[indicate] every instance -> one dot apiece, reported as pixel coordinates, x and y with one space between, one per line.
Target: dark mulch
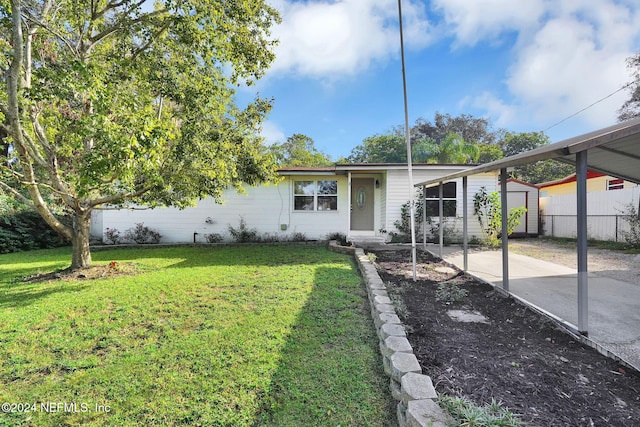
518 357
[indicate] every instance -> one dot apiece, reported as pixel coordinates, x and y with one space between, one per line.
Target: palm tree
452 150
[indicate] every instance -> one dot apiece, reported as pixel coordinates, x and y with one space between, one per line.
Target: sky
525 65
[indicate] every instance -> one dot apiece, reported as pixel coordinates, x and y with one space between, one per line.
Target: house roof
614 150
517 181
570 178
369 167
306 170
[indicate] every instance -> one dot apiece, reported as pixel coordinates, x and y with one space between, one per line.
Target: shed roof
614 150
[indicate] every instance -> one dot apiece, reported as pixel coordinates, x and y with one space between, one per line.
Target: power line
589 106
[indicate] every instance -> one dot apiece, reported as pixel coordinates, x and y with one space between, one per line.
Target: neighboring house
362 201
520 193
596 181
607 198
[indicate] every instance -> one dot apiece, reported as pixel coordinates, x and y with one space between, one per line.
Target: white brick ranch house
361 201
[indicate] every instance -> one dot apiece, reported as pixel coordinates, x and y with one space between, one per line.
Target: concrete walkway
614 306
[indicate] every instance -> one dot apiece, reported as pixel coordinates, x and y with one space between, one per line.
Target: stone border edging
416 396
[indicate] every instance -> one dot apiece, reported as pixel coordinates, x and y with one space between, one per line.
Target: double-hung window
449 192
315 195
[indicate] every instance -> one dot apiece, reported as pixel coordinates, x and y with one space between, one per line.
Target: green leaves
128 102
451 150
299 150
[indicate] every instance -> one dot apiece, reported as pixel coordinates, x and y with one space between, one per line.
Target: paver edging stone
417 406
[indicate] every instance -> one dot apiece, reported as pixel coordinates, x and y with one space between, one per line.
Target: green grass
596 244
226 336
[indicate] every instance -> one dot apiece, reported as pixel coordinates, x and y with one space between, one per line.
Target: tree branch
118 197
120 25
152 39
16 194
14 89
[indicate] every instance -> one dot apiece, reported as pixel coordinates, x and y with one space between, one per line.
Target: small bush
466 413
112 236
142 234
631 217
243 234
449 292
340 238
213 238
298 237
271 238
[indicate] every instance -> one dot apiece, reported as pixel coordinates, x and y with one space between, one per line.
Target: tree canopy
389 148
631 107
453 149
538 172
108 102
426 137
471 129
299 150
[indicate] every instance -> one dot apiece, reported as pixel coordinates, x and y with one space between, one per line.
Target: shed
520 193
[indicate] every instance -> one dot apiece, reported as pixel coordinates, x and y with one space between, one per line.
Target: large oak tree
130 101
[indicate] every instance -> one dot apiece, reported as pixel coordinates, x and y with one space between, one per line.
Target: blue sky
524 64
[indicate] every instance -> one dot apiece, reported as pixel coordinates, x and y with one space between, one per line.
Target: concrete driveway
614 306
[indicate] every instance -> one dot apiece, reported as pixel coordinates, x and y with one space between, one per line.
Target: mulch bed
517 357
99 271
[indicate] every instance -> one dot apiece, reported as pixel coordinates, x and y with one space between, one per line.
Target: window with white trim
315 195
449 200
615 184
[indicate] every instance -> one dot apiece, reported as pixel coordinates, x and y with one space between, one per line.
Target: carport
614 151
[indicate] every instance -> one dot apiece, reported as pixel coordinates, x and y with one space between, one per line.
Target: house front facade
361 201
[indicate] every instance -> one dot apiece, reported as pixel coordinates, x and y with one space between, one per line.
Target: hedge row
26 230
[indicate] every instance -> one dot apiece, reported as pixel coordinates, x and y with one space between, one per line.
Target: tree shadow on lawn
233 255
23 294
330 371
15 292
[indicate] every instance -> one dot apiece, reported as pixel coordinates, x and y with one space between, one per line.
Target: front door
362 204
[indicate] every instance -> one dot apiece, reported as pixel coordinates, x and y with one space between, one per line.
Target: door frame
376 203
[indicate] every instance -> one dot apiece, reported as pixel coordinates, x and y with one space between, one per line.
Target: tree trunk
80 240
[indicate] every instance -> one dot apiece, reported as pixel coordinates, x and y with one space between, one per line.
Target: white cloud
473 21
272 133
568 55
328 39
501 113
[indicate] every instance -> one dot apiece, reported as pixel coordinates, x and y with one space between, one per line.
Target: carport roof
614 150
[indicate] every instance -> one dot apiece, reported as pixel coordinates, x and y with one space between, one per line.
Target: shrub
466 413
112 236
298 237
340 238
449 292
449 234
488 209
213 237
270 238
26 230
403 225
632 217
243 234
142 234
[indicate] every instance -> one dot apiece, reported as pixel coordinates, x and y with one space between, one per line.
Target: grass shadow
21 295
330 372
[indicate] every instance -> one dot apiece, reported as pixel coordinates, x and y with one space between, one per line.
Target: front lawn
224 336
